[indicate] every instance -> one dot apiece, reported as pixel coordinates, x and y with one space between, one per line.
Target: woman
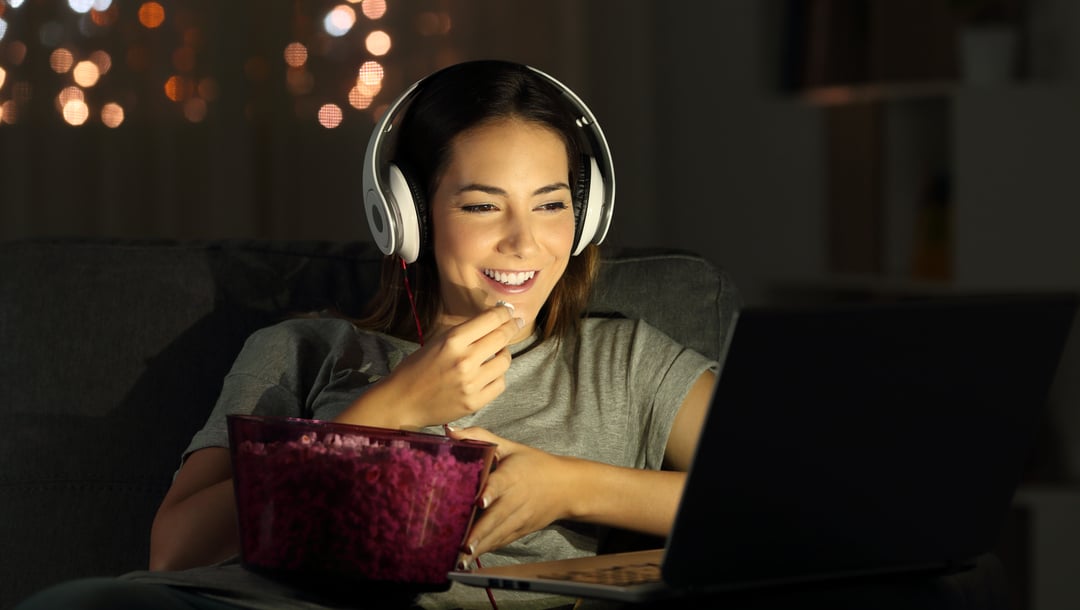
585 412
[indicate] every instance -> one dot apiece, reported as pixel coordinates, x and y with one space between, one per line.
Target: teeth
516 278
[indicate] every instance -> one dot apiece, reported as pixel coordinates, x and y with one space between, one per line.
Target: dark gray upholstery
113 352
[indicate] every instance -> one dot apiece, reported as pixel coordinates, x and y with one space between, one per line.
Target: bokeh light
16 52
61 60
370 73
8 112
373 9
68 95
112 114
151 15
295 54
102 60
178 88
368 89
104 17
72 41
86 73
76 112
339 20
377 43
359 99
81 6
195 110
330 116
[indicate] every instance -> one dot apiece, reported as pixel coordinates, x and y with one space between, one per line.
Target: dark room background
817 149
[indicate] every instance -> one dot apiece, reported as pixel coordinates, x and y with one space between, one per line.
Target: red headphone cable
412 303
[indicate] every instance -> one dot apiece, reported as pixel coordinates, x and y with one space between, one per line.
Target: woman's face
502 221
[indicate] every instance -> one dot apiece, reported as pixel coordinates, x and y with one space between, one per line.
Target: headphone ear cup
580 201
411 211
382 221
587 214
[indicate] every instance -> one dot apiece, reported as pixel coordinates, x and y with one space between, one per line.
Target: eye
552 206
476 208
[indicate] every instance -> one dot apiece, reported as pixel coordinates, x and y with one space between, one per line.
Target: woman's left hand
528 491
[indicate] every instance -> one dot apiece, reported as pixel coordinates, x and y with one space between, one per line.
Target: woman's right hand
457 372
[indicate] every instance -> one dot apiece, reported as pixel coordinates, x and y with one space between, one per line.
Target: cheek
451 241
564 238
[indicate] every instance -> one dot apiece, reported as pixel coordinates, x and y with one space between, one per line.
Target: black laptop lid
859 438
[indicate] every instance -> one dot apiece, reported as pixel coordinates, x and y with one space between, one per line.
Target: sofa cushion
682 294
113 353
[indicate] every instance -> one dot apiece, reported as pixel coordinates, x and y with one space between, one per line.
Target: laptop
844 440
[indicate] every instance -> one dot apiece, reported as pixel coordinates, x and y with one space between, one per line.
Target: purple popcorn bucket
334 505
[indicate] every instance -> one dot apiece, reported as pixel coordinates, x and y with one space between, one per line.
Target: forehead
502 139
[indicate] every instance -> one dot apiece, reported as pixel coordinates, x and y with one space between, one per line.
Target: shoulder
303 330
323 334
621 330
305 350
635 343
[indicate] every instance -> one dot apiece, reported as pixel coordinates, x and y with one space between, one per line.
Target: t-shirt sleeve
290 370
661 373
260 382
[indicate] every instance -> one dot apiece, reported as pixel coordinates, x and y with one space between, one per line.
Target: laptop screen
866 437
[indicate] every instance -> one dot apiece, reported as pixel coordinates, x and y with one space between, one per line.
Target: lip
505 289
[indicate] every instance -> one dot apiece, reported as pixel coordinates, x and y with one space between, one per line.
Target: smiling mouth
510 278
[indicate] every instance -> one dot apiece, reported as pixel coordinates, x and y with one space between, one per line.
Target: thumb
481 434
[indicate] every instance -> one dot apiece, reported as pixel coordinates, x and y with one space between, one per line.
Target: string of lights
105 61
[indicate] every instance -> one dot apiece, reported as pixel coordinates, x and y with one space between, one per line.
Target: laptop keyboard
632 574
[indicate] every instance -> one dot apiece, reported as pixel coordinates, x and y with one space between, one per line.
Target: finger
494 368
503 447
486 521
476 433
470 331
487 347
499 526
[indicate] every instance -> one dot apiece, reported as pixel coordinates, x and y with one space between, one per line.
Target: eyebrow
494 190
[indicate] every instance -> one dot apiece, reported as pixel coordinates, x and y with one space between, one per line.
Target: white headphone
392 202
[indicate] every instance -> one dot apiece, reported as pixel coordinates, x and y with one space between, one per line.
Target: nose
518 237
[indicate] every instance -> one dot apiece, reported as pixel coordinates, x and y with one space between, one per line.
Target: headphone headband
390 200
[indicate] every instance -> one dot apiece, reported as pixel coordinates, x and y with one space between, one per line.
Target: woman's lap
117 594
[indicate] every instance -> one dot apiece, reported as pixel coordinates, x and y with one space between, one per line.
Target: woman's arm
685 430
196 522
532 488
646 500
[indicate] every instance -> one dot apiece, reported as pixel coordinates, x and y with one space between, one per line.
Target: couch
112 353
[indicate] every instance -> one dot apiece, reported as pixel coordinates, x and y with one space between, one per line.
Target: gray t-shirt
608 394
